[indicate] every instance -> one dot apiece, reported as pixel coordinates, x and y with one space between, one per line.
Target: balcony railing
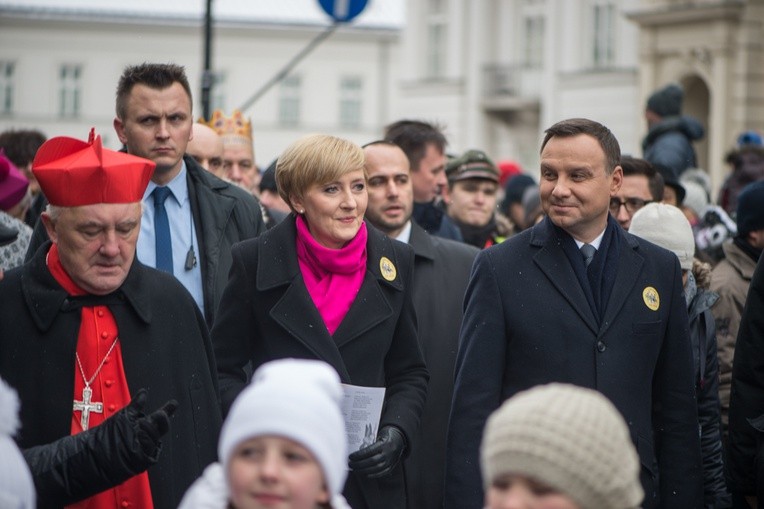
510 86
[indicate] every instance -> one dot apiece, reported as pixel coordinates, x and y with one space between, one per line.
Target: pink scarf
332 276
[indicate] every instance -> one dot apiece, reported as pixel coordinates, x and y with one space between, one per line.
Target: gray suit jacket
441 272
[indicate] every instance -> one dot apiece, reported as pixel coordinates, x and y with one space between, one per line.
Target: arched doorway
697 103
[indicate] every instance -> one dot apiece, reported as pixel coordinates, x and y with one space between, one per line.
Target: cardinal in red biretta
89 337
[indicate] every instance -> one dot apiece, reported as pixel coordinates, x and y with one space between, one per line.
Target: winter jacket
435 221
669 143
730 280
703 338
498 229
210 491
747 166
744 452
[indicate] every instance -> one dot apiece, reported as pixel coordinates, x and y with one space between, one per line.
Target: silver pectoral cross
85 406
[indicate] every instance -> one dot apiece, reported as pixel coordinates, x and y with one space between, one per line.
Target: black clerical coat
165 349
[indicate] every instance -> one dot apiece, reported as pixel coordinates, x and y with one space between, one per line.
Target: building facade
493 73
497 72
60 63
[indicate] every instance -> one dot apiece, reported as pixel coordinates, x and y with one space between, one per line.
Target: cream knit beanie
572 439
668 227
295 399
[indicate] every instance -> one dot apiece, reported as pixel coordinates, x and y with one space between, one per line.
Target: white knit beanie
295 399
569 438
16 485
668 227
695 198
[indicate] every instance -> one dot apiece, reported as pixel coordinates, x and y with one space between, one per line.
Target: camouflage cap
473 164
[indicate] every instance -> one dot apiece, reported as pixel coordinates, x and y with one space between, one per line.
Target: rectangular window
534 41
603 48
70 85
289 102
436 39
350 101
7 69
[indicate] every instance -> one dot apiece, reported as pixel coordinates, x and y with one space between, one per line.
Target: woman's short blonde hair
315 159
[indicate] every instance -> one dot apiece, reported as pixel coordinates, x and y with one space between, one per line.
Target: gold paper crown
235 125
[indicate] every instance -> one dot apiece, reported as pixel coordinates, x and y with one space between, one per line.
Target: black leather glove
149 429
76 467
381 457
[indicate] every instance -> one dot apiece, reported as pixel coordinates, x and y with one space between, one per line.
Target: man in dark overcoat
537 311
441 272
746 447
84 327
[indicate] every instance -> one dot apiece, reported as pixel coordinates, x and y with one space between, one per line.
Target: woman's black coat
267 313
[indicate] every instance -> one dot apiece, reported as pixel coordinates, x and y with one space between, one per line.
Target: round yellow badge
387 269
651 298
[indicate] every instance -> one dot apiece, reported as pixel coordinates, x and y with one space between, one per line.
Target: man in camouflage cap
473 184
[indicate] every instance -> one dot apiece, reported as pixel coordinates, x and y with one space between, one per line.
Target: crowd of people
179 328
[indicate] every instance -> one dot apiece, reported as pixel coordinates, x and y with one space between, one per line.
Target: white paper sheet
362 408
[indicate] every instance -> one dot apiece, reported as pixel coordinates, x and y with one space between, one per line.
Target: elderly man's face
207 148
96 243
239 164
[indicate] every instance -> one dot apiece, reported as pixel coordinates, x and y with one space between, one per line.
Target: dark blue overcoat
527 321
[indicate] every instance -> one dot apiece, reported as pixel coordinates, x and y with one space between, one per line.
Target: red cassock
97 342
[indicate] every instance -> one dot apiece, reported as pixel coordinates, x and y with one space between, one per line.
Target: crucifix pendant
85 406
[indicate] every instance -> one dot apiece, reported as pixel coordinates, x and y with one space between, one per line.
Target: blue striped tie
162 230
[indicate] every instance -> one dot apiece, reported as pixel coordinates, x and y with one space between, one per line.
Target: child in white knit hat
559 446
283 444
16 485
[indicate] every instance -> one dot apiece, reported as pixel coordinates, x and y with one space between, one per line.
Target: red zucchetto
72 173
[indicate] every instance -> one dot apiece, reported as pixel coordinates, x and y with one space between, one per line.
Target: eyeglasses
632 204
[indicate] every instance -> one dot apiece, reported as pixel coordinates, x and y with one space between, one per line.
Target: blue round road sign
343 10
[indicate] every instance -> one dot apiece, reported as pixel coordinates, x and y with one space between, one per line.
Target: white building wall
492 32
249 54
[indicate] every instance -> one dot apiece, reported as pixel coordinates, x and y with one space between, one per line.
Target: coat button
125 503
100 312
112 407
109 383
601 347
104 334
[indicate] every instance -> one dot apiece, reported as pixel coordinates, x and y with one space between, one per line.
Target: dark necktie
162 230
587 251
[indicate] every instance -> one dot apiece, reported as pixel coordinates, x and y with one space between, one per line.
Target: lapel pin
387 269
651 298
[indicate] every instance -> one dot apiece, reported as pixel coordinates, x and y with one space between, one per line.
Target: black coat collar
551 259
278 255
45 298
